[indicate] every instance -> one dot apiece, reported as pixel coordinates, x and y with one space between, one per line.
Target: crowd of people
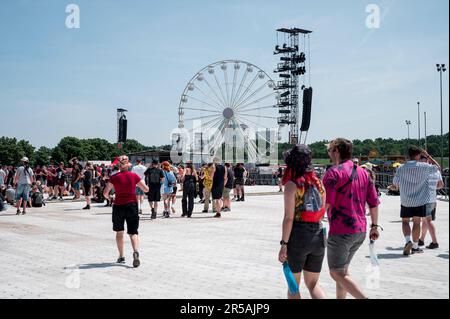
212 183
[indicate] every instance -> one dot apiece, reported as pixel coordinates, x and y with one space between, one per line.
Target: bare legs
120 243
344 285
312 283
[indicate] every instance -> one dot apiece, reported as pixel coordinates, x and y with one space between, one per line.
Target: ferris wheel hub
228 113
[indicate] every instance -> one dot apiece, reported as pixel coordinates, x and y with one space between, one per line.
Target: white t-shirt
434 180
139 170
24 175
2 177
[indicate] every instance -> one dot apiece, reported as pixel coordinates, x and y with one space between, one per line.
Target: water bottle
373 254
292 284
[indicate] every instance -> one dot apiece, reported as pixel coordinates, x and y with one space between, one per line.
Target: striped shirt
434 180
414 179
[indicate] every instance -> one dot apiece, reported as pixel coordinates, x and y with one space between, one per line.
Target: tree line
12 150
380 147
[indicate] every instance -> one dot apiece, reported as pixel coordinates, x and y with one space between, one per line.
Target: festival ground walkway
60 251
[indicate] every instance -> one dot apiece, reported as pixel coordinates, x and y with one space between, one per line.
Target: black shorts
306 248
239 181
154 195
175 190
87 189
128 213
410 212
217 193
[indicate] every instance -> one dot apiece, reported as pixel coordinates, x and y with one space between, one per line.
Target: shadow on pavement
395 249
102 265
443 256
390 256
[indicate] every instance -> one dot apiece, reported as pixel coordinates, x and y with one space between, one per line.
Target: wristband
376 226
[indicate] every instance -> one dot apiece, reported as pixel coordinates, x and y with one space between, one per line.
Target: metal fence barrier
383 180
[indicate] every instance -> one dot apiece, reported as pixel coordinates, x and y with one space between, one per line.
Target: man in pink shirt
348 189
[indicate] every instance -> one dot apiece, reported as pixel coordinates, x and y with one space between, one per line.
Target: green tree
68 148
42 156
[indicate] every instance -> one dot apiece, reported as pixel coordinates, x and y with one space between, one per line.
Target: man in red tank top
125 208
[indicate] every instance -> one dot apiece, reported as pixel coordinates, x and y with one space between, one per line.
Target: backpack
310 204
155 176
38 200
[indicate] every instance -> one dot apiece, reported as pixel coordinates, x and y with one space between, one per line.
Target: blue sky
140 55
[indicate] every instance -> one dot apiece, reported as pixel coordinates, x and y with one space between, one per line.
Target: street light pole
425 124
418 119
408 123
441 69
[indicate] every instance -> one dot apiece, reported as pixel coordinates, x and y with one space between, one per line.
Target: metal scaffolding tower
291 68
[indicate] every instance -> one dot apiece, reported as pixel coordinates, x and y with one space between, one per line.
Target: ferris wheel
230 94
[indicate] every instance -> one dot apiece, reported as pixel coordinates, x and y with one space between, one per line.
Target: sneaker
120 260
18 212
218 215
136 262
204 211
153 215
61 198
421 243
416 251
226 209
433 246
407 249
166 214
24 213
173 210
140 211
87 207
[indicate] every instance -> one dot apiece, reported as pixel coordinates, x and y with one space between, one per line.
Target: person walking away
125 208
189 187
219 181
239 175
414 179
348 189
303 236
139 170
208 183
169 183
227 189
76 177
436 183
61 175
173 196
23 179
201 185
88 177
280 178
155 178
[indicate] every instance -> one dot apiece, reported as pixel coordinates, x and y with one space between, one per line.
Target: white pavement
60 251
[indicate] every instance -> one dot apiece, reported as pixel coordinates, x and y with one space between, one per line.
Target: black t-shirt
87 177
230 180
239 172
153 175
76 173
280 172
219 176
60 174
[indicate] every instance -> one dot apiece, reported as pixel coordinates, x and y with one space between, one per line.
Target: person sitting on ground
10 193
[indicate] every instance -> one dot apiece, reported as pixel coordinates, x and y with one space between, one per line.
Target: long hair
298 161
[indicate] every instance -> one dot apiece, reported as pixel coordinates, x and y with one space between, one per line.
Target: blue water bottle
292 284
